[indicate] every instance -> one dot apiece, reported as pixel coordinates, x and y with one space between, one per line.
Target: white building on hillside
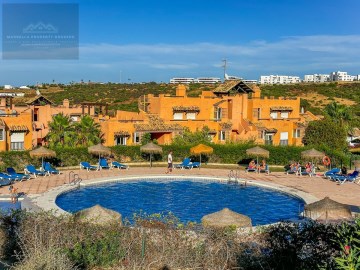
182 80
341 76
207 80
279 79
8 86
317 78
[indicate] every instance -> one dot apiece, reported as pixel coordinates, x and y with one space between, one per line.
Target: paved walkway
348 193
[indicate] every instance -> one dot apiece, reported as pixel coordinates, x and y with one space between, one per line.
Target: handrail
75 180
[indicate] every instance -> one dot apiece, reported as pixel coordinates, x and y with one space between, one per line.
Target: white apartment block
279 79
182 80
317 78
341 76
207 80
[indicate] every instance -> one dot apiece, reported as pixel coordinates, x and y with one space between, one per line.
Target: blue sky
142 40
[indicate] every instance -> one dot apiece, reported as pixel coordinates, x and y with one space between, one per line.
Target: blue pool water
188 200
6 206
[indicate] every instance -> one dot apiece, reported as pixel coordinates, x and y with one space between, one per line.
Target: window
2 137
256 113
74 118
136 138
178 116
284 114
222 135
120 140
273 115
284 136
17 141
218 114
191 116
269 139
296 133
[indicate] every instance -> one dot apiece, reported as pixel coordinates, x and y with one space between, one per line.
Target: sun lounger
347 178
195 164
103 164
49 169
250 169
86 165
266 170
118 165
184 164
11 178
5 182
30 169
21 176
329 174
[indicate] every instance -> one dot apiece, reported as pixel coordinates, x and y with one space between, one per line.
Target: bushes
53 242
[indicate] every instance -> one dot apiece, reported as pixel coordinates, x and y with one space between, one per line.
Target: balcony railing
284 142
268 142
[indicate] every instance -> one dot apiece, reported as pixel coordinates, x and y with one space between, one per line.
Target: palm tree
87 132
60 131
340 114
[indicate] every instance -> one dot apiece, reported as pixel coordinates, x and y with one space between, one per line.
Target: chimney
181 90
66 103
257 91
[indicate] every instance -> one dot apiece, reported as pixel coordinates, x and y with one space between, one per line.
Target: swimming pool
6 206
187 199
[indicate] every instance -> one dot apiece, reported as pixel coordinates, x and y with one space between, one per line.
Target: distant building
207 80
341 76
250 81
8 86
279 79
24 87
182 80
317 78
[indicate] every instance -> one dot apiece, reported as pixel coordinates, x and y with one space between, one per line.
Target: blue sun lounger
49 169
22 176
185 164
30 169
86 165
118 165
103 164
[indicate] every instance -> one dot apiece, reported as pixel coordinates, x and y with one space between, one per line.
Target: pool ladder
76 178
234 177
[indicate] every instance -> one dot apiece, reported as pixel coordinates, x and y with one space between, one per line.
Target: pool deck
347 193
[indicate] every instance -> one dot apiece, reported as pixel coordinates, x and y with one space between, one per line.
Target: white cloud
292 55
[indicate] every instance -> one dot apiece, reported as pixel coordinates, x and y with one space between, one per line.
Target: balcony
268 142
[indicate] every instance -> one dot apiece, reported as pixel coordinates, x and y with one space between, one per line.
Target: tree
60 131
325 133
340 114
192 138
87 132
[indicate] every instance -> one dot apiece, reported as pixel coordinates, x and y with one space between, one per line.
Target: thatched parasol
225 218
327 209
42 152
151 149
312 153
201 149
257 151
98 215
99 149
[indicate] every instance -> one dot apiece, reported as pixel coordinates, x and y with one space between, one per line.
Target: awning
122 133
281 108
186 109
15 128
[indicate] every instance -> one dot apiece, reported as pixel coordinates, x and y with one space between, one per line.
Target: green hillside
125 96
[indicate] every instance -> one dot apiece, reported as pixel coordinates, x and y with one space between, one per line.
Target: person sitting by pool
252 165
262 165
13 193
294 168
308 167
344 170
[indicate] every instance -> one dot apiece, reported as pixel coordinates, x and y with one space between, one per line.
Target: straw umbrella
98 215
258 152
312 154
151 149
327 209
99 149
201 149
225 218
42 152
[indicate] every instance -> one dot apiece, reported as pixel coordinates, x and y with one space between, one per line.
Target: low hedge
226 154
